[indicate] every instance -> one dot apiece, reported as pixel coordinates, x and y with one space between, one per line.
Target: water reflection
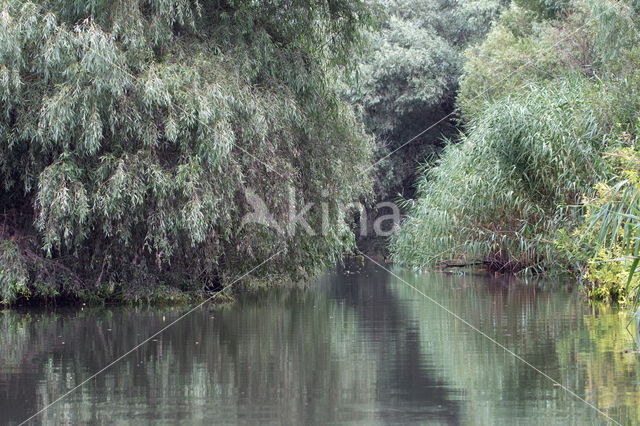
353 348
545 323
409 385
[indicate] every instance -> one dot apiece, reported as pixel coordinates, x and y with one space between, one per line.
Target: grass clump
499 195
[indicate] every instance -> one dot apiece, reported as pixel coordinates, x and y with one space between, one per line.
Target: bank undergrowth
547 101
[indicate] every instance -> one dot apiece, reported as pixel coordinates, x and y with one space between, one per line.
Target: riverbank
545 175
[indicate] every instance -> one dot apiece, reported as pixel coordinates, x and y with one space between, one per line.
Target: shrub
517 52
607 242
589 37
543 98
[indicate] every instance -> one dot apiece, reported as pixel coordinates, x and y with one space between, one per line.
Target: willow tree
131 130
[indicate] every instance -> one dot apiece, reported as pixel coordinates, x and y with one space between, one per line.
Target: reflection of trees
547 328
248 363
408 382
295 356
43 352
612 369
364 348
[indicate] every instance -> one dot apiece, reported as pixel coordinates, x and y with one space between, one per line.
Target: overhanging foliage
129 130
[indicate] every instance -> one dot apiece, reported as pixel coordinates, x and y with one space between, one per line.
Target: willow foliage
130 129
527 46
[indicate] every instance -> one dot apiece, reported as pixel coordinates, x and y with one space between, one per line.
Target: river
359 347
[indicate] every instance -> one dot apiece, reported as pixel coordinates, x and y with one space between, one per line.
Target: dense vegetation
407 79
129 131
131 134
544 176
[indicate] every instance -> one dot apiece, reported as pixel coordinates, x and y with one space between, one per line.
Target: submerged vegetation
544 175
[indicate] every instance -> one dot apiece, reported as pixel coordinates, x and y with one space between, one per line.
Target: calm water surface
360 348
